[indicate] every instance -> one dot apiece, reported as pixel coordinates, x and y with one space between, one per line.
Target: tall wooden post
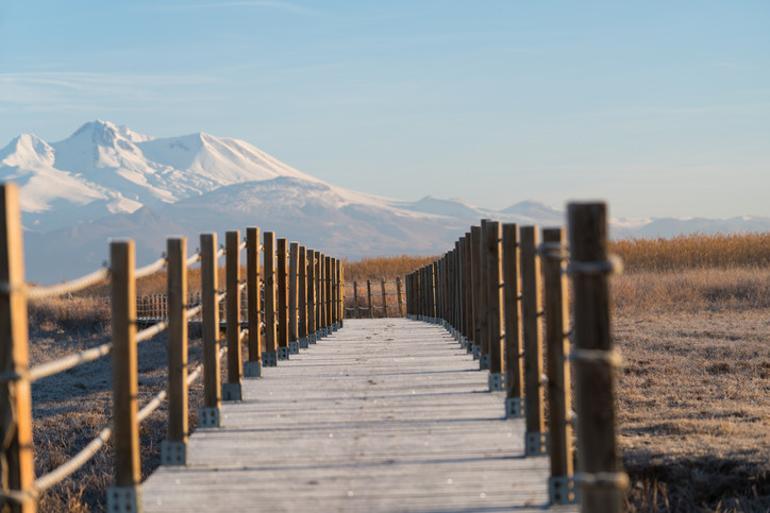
321 296
329 296
302 297
600 474
209 413
468 286
398 295
123 495
531 313
231 390
495 321
311 296
270 354
334 306
560 484
17 457
369 298
253 366
281 278
512 300
293 311
384 298
173 450
341 291
355 300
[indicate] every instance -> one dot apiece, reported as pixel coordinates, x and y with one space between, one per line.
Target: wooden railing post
124 494
398 296
253 366
468 293
600 475
173 450
341 291
312 305
355 300
493 240
480 304
531 314
512 299
321 296
561 488
231 390
369 298
281 278
334 305
384 298
329 297
209 413
293 311
270 354
17 451
302 297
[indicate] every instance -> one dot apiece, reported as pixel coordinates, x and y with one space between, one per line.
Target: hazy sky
663 108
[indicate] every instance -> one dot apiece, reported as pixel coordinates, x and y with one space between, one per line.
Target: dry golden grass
695 251
389 268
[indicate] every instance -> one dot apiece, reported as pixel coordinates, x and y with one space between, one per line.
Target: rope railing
322 292
493 292
98 277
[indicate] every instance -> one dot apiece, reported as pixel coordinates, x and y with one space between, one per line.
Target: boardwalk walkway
386 415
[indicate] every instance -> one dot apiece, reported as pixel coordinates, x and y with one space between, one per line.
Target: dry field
693 398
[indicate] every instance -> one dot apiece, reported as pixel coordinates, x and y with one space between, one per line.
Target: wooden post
18 465
531 313
384 298
512 299
355 299
270 354
231 390
341 289
329 297
333 305
495 321
479 298
173 450
468 285
293 311
302 297
398 295
560 484
123 495
281 278
321 296
369 298
600 474
253 367
312 305
209 413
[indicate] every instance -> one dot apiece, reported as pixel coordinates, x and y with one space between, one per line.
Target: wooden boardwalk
386 415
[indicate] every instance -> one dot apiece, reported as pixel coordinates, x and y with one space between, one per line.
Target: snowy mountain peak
26 150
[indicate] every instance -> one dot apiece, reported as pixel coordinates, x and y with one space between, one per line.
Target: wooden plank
18 472
404 426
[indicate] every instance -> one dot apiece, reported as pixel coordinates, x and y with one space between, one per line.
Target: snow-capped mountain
108 181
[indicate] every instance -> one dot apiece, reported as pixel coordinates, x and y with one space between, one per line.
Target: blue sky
662 108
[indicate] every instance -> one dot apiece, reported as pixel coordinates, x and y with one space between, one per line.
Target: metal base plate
231 392
294 347
269 359
514 408
535 443
252 369
123 499
283 353
312 339
303 343
208 417
561 490
484 362
476 350
173 453
495 382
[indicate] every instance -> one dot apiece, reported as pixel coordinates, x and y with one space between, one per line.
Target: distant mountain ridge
106 180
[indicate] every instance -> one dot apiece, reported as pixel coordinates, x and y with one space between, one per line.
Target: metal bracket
294 347
269 359
514 408
123 499
253 369
173 453
476 350
208 417
495 382
283 353
311 339
484 362
303 343
231 392
562 490
535 443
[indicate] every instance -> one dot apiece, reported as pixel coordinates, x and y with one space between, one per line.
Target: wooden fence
294 301
494 291
366 305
